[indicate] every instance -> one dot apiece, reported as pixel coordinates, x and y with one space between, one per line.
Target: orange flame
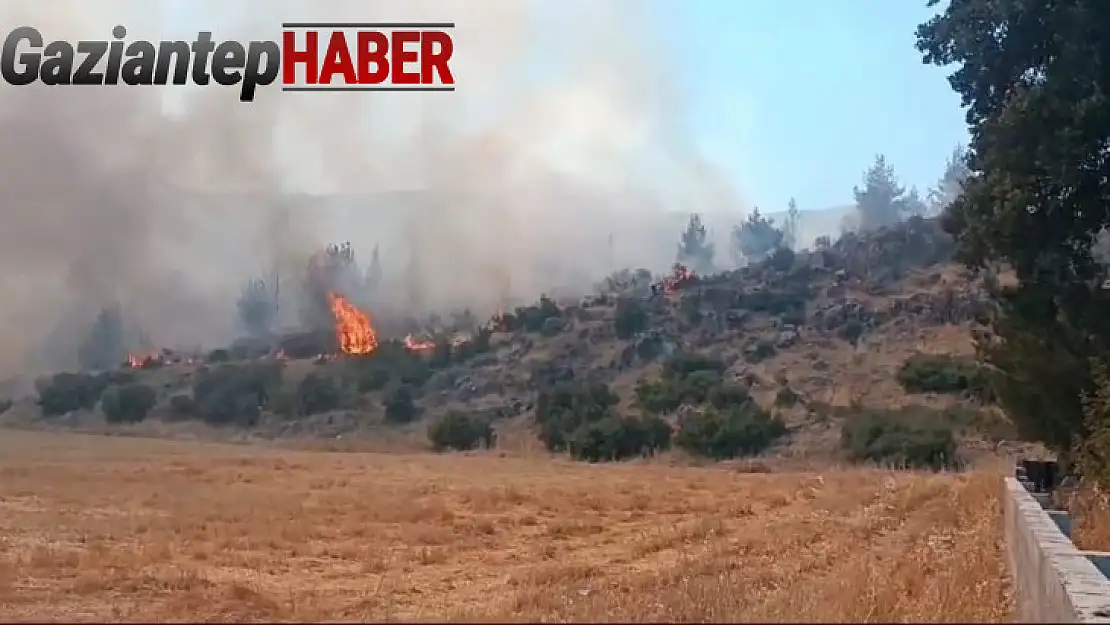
418 345
352 327
136 361
679 274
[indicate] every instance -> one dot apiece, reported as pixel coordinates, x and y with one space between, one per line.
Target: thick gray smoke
563 131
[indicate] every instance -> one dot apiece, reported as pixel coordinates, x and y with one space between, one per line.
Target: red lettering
291 56
337 61
399 56
373 49
433 59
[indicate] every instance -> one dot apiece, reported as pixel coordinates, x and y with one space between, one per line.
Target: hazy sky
795 97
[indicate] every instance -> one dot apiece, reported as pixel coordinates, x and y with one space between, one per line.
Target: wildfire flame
353 331
499 321
418 345
137 361
679 274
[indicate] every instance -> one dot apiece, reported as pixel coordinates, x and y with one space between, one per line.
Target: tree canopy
1034 79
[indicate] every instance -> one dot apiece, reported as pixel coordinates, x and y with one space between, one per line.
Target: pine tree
695 250
881 201
790 227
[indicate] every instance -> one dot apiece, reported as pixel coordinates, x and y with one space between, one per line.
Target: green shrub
691 380
684 364
127 404
235 394
630 318
460 431
567 406
182 406
615 438
218 356
759 351
5 405
391 362
786 397
400 406
532 318
318 392
722 434
782 259
65 392
910 438
928 373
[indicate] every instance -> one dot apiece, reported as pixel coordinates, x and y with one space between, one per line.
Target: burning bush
129 403
460 431
235 394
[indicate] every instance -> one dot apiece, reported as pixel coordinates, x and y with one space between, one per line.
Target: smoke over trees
104 347
757 238
258 306
695 249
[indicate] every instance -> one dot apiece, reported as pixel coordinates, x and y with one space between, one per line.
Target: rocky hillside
817 343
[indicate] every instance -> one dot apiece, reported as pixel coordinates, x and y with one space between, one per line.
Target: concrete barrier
1054 582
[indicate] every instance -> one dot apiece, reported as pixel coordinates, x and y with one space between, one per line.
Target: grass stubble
101 528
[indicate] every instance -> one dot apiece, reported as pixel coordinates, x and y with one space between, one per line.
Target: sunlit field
97 528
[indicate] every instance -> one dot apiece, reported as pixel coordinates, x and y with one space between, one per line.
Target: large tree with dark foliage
1034 77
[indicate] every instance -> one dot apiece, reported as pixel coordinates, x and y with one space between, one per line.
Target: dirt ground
102 528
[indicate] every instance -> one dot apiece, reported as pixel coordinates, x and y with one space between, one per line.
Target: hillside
872 327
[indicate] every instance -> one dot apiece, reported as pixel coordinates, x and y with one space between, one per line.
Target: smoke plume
165 200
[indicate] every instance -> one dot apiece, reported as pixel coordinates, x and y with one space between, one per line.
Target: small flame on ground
136 361
417 345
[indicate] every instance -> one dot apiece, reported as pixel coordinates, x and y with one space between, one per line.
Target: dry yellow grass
96 528
1090 507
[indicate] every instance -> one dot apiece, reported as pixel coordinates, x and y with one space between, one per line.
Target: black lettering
115 57
31 61
202 47
86 73
166 49
57 63
227 60
263 65
139 69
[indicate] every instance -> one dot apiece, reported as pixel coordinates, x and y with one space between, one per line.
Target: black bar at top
368 25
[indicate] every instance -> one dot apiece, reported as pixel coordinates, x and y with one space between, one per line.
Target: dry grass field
101 528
